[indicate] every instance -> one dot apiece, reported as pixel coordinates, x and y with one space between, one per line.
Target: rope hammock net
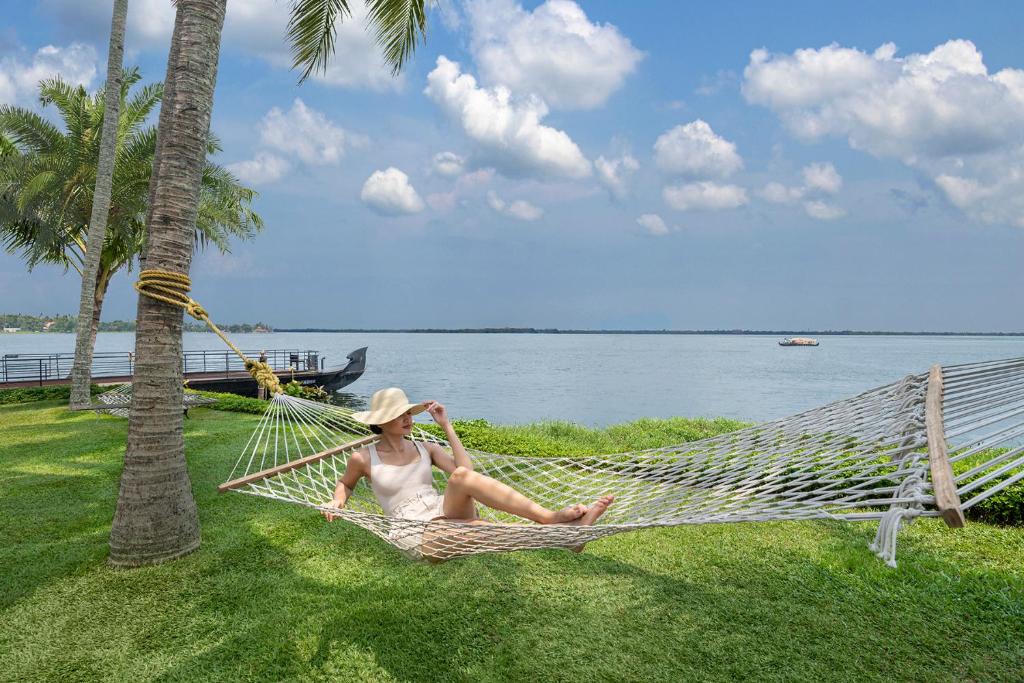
929 445
118 401
881 455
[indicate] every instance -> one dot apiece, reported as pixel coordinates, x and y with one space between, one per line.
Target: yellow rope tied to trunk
173 288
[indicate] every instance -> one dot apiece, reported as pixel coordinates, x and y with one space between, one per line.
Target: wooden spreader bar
295 464
947 500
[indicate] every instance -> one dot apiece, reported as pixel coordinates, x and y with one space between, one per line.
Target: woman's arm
355 469
446 462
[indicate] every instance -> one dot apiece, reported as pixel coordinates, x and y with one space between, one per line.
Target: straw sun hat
386 405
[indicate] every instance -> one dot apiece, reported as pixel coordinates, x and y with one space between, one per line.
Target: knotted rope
173 288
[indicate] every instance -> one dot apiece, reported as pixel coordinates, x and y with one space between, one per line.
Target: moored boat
221 371
798 341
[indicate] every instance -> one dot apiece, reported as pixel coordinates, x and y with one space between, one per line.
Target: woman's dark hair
376 430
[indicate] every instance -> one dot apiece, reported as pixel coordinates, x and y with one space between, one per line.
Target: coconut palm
84 337
156 518
47 178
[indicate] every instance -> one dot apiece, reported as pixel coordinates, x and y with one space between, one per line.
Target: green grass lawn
276 593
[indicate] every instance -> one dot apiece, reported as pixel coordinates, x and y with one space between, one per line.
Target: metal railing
40 367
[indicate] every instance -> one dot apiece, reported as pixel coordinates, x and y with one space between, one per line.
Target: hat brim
379 417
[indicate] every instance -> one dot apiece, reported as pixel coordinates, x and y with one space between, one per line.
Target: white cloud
777 193
253 27
554 51
19 81
508 133
696 151
822 178
1001 201
615 174
264 168
389 193
306 134
464 184
942 113
704 195
938 104
258 28
823 211
449 14
653 224
448 164
520 208
819 179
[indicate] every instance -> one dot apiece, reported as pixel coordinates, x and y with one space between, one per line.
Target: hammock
118 401
882 455
888 454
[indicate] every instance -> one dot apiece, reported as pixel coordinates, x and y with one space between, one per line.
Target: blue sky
598 165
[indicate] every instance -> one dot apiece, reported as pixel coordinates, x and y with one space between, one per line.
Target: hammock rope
173 288
913 448
118 401
881 455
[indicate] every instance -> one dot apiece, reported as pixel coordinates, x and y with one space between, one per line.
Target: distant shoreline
530 330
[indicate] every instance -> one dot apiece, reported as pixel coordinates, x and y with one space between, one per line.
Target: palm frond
27 130
135 111
397 24
7 147
311 33
225 209
71 101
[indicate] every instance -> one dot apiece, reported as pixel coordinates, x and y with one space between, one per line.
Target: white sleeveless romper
406 491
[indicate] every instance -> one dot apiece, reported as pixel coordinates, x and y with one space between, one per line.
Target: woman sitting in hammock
400 474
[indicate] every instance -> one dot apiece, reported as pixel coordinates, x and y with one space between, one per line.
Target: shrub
233 403
311 392
1005 507
28 394
569 439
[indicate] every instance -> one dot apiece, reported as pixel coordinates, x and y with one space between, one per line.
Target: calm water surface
603 379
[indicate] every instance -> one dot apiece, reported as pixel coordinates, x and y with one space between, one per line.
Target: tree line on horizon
67 323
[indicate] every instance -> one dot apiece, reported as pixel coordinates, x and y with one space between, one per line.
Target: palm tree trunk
163 124
156 518
84 339
102 281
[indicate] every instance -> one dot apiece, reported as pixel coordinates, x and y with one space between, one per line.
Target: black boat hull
331 379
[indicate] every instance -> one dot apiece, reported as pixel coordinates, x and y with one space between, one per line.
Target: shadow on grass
276 593
547 616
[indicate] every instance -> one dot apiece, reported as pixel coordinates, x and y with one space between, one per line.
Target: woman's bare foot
595 510
569 515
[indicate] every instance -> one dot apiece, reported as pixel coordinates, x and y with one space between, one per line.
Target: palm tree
156 518
84 337
47 177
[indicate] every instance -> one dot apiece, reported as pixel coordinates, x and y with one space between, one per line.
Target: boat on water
204 370
304 368
798 341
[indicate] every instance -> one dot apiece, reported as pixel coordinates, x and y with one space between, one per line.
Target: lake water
603 379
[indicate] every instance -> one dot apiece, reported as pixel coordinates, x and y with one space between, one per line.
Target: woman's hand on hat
438 412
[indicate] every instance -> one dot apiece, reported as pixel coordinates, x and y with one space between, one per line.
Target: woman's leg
441 542
466 486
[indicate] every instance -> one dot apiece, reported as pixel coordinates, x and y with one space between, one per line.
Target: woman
401 476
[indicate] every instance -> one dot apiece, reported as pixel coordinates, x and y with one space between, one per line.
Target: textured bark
163 124
156 518
80 371
102 281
